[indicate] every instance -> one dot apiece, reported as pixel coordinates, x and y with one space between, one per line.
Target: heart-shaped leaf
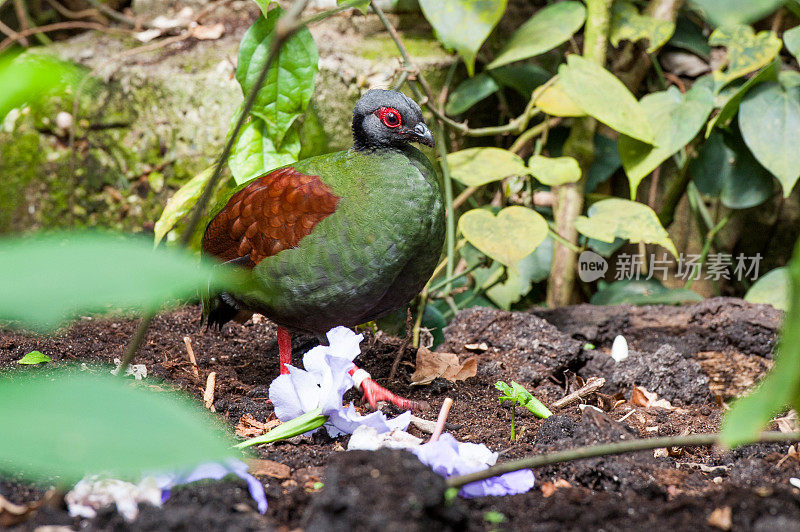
477 166
676 119
545 30
508 237
254 153
769 119
49 278
469 92
463 25
772 289
69 424
627 24
731 12
289 85
554 171
555 102
791 38
592 88
747 51
619 218
729 171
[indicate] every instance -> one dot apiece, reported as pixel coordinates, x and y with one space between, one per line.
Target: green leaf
30 78
734 93
527 400
82 423
477 166
728 170
34 357
361 5
294 427
628 24
463 25
555 102
522 77
772 289
781 387
47 279
263 5
730 12
181 203
791 39
289 85
619 218
469 92
606 162
592 87
532 269
554 171
545 30
676 119
769 119
254 153
507 238
642 292
689 36
747 51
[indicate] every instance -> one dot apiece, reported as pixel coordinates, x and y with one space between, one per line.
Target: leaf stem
607 449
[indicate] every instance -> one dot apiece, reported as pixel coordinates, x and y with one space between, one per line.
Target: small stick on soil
440 421
591 386
208 395
192 359
626 416
404 345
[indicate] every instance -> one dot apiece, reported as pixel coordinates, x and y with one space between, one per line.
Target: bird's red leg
374 392
284 348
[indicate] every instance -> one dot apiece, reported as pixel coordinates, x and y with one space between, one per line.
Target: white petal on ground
619 349
92 493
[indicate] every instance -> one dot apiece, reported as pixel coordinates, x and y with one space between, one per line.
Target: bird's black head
388 119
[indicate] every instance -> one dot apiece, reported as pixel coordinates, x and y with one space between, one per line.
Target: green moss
20 159
381 46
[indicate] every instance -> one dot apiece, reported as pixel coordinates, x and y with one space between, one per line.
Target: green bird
338 239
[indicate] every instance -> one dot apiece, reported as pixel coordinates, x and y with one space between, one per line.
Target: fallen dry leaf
721 518
641 397
788 423
268 468
432 365
250 427
549 488
208 33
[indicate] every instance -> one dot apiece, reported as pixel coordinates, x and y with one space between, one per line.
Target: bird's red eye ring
389 116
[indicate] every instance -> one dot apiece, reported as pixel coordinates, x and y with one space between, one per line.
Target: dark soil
694 356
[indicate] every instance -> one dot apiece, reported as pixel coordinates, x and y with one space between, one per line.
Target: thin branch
68 25
66 12
607 449
591 386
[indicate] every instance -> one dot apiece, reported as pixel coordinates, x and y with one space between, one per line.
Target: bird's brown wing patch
271 214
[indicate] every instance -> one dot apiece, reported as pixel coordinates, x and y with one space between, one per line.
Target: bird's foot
374 392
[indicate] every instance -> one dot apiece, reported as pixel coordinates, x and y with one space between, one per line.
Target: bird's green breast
371 256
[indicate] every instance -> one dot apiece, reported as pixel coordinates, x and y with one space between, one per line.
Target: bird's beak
423 135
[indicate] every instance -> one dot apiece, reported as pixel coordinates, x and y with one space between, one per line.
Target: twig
286 26
192 359
607 449
517 125
442 419
591 386
22 18
403 346
115 15
68 25
208 394
66 12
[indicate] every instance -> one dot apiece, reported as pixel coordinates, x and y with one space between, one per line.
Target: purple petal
345 421
507 484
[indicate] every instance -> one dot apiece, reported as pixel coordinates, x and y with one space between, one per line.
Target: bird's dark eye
389 116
